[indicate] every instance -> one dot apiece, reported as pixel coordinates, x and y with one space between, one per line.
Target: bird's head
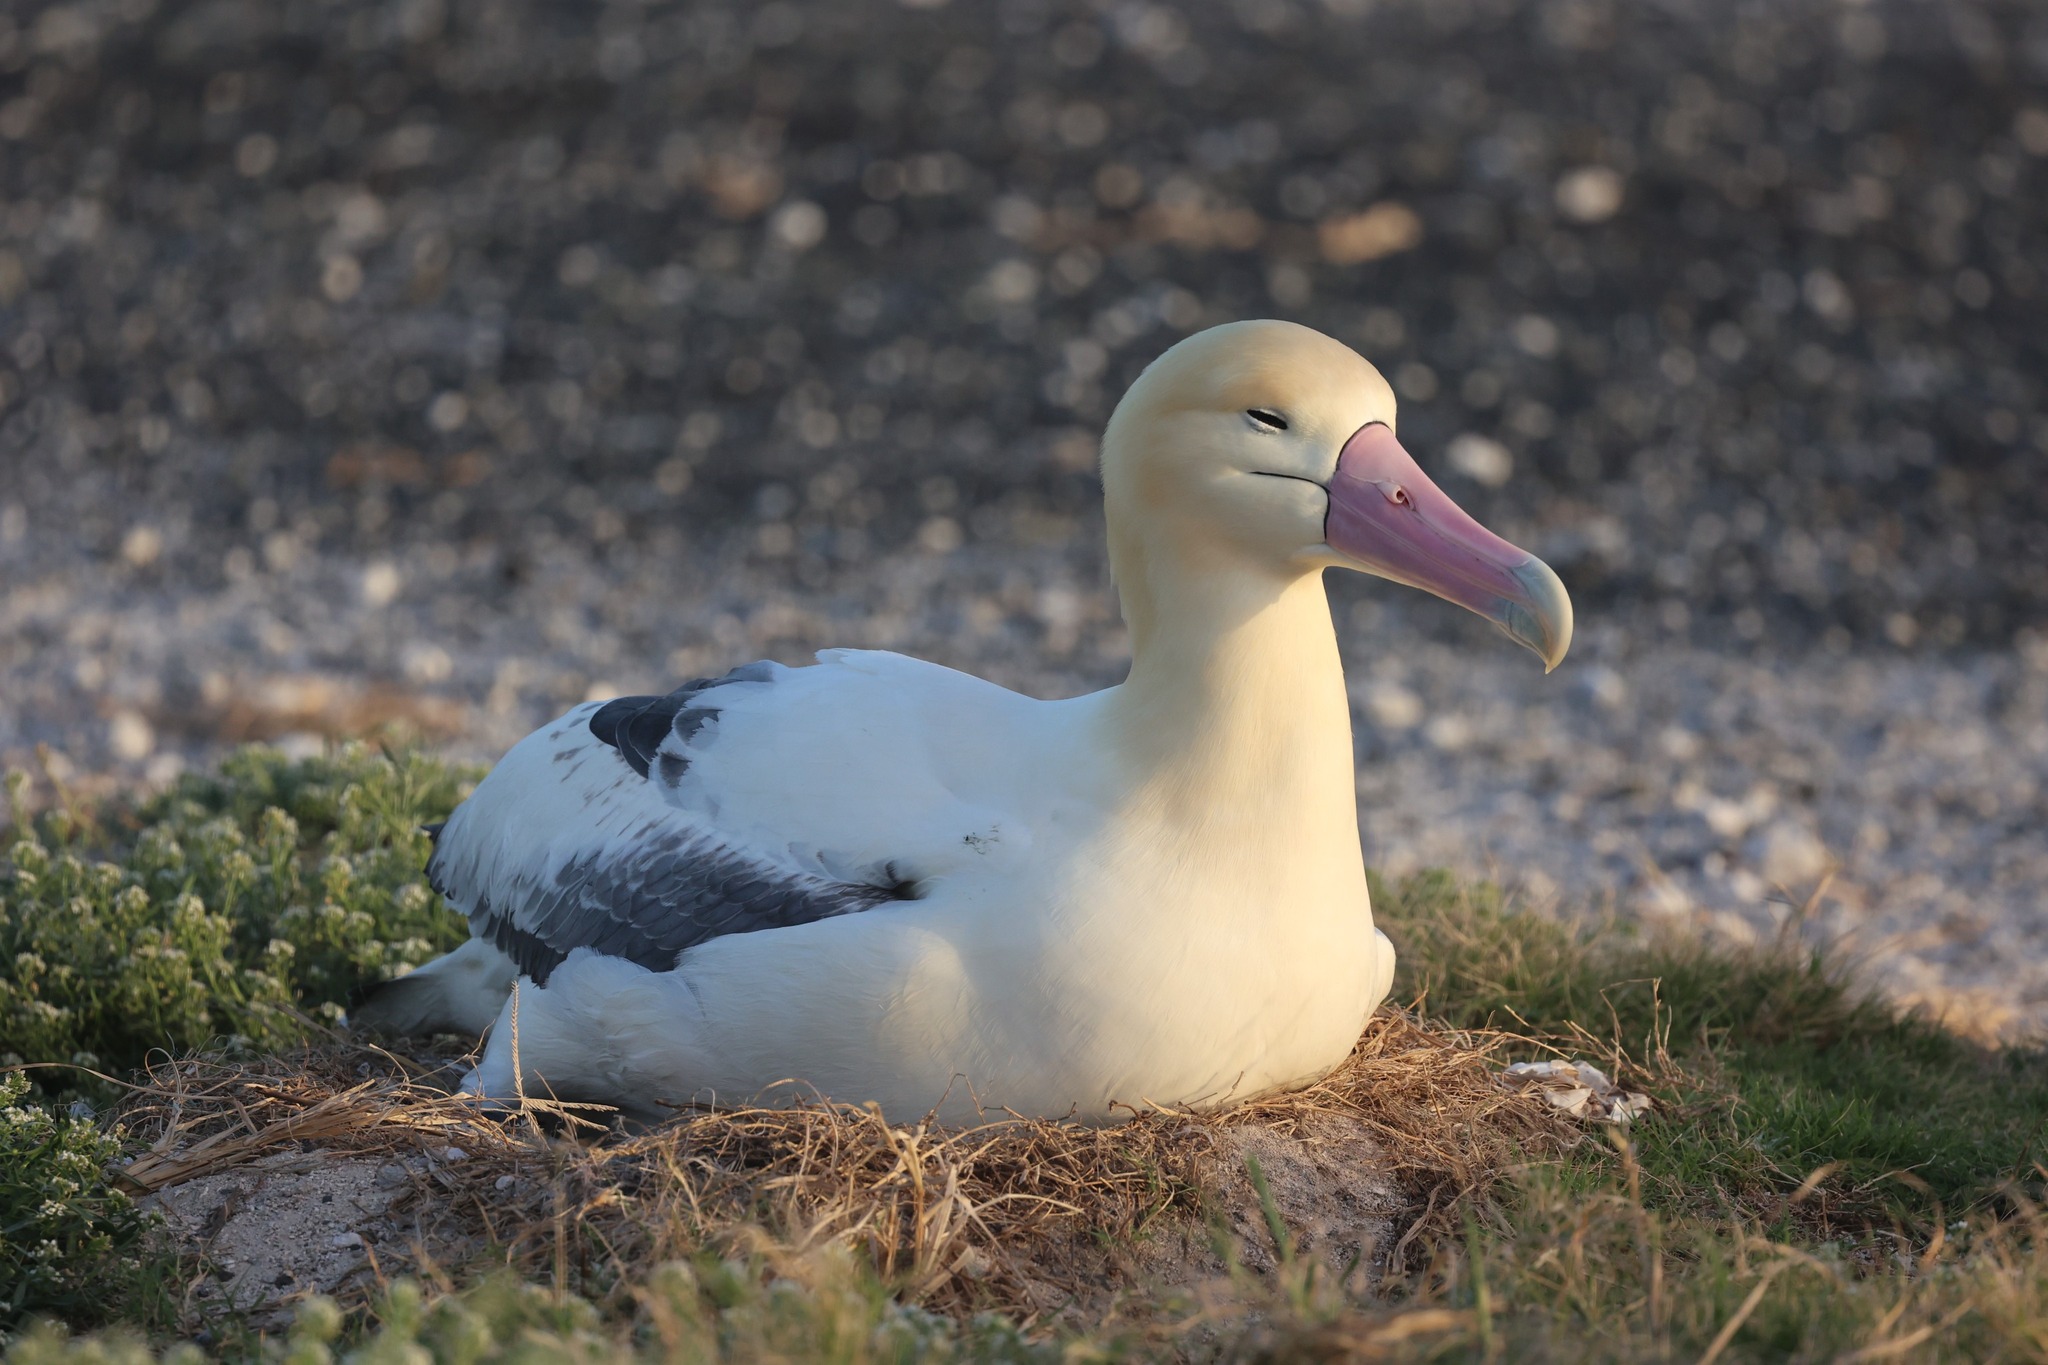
1271 443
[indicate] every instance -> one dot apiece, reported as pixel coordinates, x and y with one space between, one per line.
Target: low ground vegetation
1822 1178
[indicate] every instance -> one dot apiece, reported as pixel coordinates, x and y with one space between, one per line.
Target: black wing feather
667 889
637 727
657 902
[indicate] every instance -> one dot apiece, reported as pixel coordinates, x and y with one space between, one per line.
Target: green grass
1822 1177
1771 1062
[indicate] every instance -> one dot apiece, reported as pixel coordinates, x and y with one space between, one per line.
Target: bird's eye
1271 420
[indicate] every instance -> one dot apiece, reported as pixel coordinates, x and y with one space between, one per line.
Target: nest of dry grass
960 1219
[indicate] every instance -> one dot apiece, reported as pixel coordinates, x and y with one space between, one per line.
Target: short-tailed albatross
882 880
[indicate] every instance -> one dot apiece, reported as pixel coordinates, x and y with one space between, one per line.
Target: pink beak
1390 520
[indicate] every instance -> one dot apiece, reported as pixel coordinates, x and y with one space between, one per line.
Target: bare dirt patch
276 1229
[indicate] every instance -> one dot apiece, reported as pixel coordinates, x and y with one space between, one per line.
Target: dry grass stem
991 1216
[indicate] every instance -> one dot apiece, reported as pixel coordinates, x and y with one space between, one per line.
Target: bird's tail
459 992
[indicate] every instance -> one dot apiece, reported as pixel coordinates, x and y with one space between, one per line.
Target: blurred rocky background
434 364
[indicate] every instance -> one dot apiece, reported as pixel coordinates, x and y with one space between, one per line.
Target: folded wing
583 838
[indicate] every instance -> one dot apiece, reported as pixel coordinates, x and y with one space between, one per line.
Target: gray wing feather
654 894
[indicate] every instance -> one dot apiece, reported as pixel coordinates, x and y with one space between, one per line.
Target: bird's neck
1234 712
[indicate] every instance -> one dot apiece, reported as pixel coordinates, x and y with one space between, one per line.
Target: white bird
883 880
